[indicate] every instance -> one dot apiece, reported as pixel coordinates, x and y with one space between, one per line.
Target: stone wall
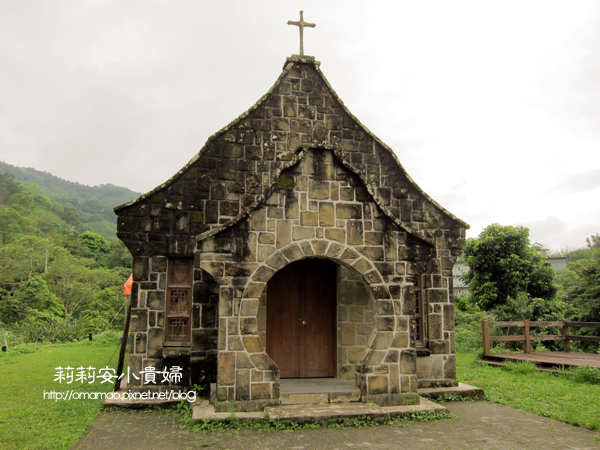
296 176
147 328
355 314
317 211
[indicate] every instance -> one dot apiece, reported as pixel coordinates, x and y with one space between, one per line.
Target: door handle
304 323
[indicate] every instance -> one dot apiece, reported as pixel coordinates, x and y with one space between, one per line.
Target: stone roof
300 111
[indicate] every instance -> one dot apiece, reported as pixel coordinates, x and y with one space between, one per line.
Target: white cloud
492 107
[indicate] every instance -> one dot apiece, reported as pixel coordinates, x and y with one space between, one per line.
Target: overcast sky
493 107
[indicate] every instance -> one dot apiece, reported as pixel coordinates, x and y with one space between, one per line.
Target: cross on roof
301 24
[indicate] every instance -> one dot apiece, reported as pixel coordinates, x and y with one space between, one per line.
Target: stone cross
301 24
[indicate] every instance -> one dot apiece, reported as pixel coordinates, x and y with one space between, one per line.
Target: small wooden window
419 322
179 300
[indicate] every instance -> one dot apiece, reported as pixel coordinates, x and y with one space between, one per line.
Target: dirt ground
478 425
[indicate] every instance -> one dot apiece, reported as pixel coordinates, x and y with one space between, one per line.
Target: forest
62 268
510 279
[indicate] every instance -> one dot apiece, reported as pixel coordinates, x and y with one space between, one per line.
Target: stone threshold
336 412
462 391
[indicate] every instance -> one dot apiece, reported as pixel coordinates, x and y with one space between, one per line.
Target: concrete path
478 425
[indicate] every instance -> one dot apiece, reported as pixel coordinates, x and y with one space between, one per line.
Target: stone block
307 249
156 300
338 235
159 264
450 367
373 238
409 303
318 190
204 340
277 261
448 317
243 361
335 250
437 295
252 344
348 211
248 325
357 313
430 367
320 247
289 107
140 268
264 273
140 342
249 307
266 238
254 290
260 391
378 384
300 233
234 343
383 339
435 327
408 362
439 347
400 340
155 342
309 218
386 323
263 362
138 320
348 333
392 358
355 232
326 214
362 266
293 253
258 220
242 385
373 277
226 369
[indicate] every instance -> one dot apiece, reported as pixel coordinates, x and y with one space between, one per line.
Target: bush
586 374
468 319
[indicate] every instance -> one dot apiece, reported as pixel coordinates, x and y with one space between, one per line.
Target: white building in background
558 263
460 267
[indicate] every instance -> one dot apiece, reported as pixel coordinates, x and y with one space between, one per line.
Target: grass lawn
557 397
27 420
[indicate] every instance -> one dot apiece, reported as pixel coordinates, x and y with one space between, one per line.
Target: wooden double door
301 319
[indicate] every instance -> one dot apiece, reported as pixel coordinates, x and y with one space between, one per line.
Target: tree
505 268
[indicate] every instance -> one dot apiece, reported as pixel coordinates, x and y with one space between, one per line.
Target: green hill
94 203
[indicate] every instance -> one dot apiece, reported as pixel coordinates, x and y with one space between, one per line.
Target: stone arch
316 248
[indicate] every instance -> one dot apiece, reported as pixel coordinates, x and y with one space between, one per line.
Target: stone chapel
293 245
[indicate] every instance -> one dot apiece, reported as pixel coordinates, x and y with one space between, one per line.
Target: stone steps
464 391
322 398
323 412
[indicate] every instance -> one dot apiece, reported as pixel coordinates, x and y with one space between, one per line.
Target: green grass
27 420
522 387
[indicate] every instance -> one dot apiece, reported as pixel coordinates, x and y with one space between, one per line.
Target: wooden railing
565 336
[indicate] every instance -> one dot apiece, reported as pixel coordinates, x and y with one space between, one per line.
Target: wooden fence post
566 342
527 346
485 332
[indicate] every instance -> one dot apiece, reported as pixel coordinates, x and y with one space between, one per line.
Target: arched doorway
301 319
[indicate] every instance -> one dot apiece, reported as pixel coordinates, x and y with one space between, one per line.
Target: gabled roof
294 155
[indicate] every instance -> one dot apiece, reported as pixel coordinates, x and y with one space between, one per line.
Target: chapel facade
293 245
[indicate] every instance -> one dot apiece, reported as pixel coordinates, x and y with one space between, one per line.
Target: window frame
177 285
420 323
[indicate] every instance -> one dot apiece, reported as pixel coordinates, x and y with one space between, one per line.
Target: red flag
127 285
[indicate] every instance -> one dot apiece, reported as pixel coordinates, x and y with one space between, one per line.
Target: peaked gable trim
291 62
340 156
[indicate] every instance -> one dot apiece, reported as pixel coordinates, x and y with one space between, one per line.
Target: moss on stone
196 217
286 182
